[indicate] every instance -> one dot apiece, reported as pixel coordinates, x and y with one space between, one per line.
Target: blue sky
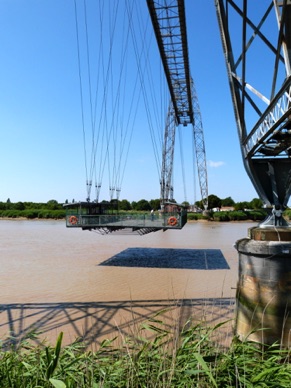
41 133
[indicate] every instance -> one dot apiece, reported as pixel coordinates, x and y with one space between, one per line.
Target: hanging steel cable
111 88
110 133
143 66
81 93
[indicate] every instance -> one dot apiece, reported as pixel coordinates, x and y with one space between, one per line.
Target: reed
157 357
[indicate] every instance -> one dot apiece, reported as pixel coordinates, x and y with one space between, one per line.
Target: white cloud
215 164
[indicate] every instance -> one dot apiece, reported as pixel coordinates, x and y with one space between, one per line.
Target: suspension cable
111 134
144 54
81 95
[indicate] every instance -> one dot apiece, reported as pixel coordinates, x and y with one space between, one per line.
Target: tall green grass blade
58 350
57 383
171 358
221 324
205 368
261 376
52 362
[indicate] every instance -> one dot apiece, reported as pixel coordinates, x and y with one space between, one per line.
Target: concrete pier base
263 312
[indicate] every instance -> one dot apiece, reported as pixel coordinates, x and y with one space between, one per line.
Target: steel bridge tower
256 38
169 23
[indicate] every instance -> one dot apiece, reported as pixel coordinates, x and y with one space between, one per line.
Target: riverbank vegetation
232 215
191 358
31 210
221 209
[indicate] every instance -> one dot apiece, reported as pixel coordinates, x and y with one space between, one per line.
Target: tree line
50 209
232 210
215 202
141 205
54 209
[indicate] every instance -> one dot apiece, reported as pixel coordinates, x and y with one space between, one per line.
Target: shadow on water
206 259
93 322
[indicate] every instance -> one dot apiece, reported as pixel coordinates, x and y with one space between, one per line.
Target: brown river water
52 281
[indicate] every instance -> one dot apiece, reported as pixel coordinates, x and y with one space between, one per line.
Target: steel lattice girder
256 38
168 18
168 157
199 143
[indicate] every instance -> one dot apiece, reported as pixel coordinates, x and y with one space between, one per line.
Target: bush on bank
254 215
223 216
287 213
30 210
191 359
33 213
196 217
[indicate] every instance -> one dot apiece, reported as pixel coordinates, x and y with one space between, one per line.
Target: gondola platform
80 216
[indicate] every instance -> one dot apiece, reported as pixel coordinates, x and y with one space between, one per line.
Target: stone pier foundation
263 312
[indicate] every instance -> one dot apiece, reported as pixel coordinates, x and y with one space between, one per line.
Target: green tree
241 206
256 203
53 204
19 206
143 205
29 205
155 204
124 204
228 201
199 204
213 201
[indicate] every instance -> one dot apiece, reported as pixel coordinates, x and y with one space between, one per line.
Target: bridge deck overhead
170 29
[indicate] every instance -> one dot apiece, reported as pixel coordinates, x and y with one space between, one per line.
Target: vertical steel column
250 36
169 23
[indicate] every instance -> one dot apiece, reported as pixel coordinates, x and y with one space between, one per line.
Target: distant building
194 209
227 208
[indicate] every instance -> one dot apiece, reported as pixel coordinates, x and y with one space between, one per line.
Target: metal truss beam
256 39
169 22
168 18
168 157
199 145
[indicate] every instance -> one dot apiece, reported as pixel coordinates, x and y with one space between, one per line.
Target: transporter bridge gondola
105 218
169 25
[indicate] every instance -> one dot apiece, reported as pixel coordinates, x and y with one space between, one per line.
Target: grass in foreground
190 359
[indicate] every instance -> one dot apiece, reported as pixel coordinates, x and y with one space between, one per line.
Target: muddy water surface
51 280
